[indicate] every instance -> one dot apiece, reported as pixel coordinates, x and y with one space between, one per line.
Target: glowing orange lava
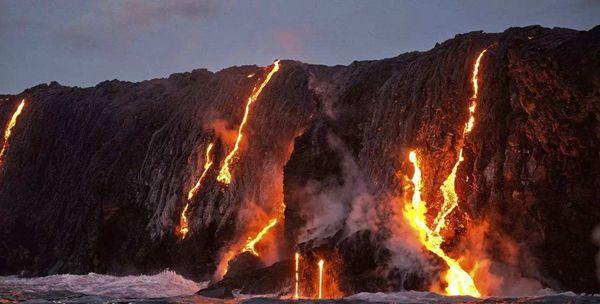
296 278
249 247
321 263
8 131
458 280
208 163
183 229
448 187
225 172
223 265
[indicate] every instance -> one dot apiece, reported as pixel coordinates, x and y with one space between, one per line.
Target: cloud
114 23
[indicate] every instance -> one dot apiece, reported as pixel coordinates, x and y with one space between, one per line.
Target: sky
81 43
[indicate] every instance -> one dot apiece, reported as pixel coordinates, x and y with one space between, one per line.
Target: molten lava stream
8 130
225 173
448 187
208 163
458 280
183 229
249 247
223 265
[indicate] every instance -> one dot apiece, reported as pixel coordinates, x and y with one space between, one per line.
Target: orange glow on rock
223 265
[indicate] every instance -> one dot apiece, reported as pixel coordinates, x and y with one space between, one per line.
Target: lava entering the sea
225 173
183 229
8 130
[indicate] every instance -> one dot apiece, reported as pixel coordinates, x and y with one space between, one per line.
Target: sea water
169 287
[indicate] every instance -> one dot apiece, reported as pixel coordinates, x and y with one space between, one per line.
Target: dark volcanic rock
95 178
252 280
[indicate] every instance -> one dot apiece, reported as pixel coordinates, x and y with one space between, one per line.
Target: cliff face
95 179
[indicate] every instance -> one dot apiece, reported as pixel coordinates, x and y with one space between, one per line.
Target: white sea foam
543 296
165 284
409 297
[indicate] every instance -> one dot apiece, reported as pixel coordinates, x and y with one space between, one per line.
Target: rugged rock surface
95 178
247 275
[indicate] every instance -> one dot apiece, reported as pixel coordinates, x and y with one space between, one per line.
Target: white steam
333 202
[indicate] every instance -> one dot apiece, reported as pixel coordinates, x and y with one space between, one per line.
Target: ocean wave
165 284
543 296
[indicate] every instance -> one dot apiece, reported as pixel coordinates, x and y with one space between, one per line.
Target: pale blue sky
84 42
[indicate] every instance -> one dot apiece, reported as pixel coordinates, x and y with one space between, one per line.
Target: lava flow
297 258
208 163
225 172
8 131
458 280
448 187
321 262
183 229
249 247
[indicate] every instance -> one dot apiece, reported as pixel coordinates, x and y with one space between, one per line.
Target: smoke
323 210
221 128
498 278
407 252
337 202
225 255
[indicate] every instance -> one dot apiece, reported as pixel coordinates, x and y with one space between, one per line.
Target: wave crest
165 284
